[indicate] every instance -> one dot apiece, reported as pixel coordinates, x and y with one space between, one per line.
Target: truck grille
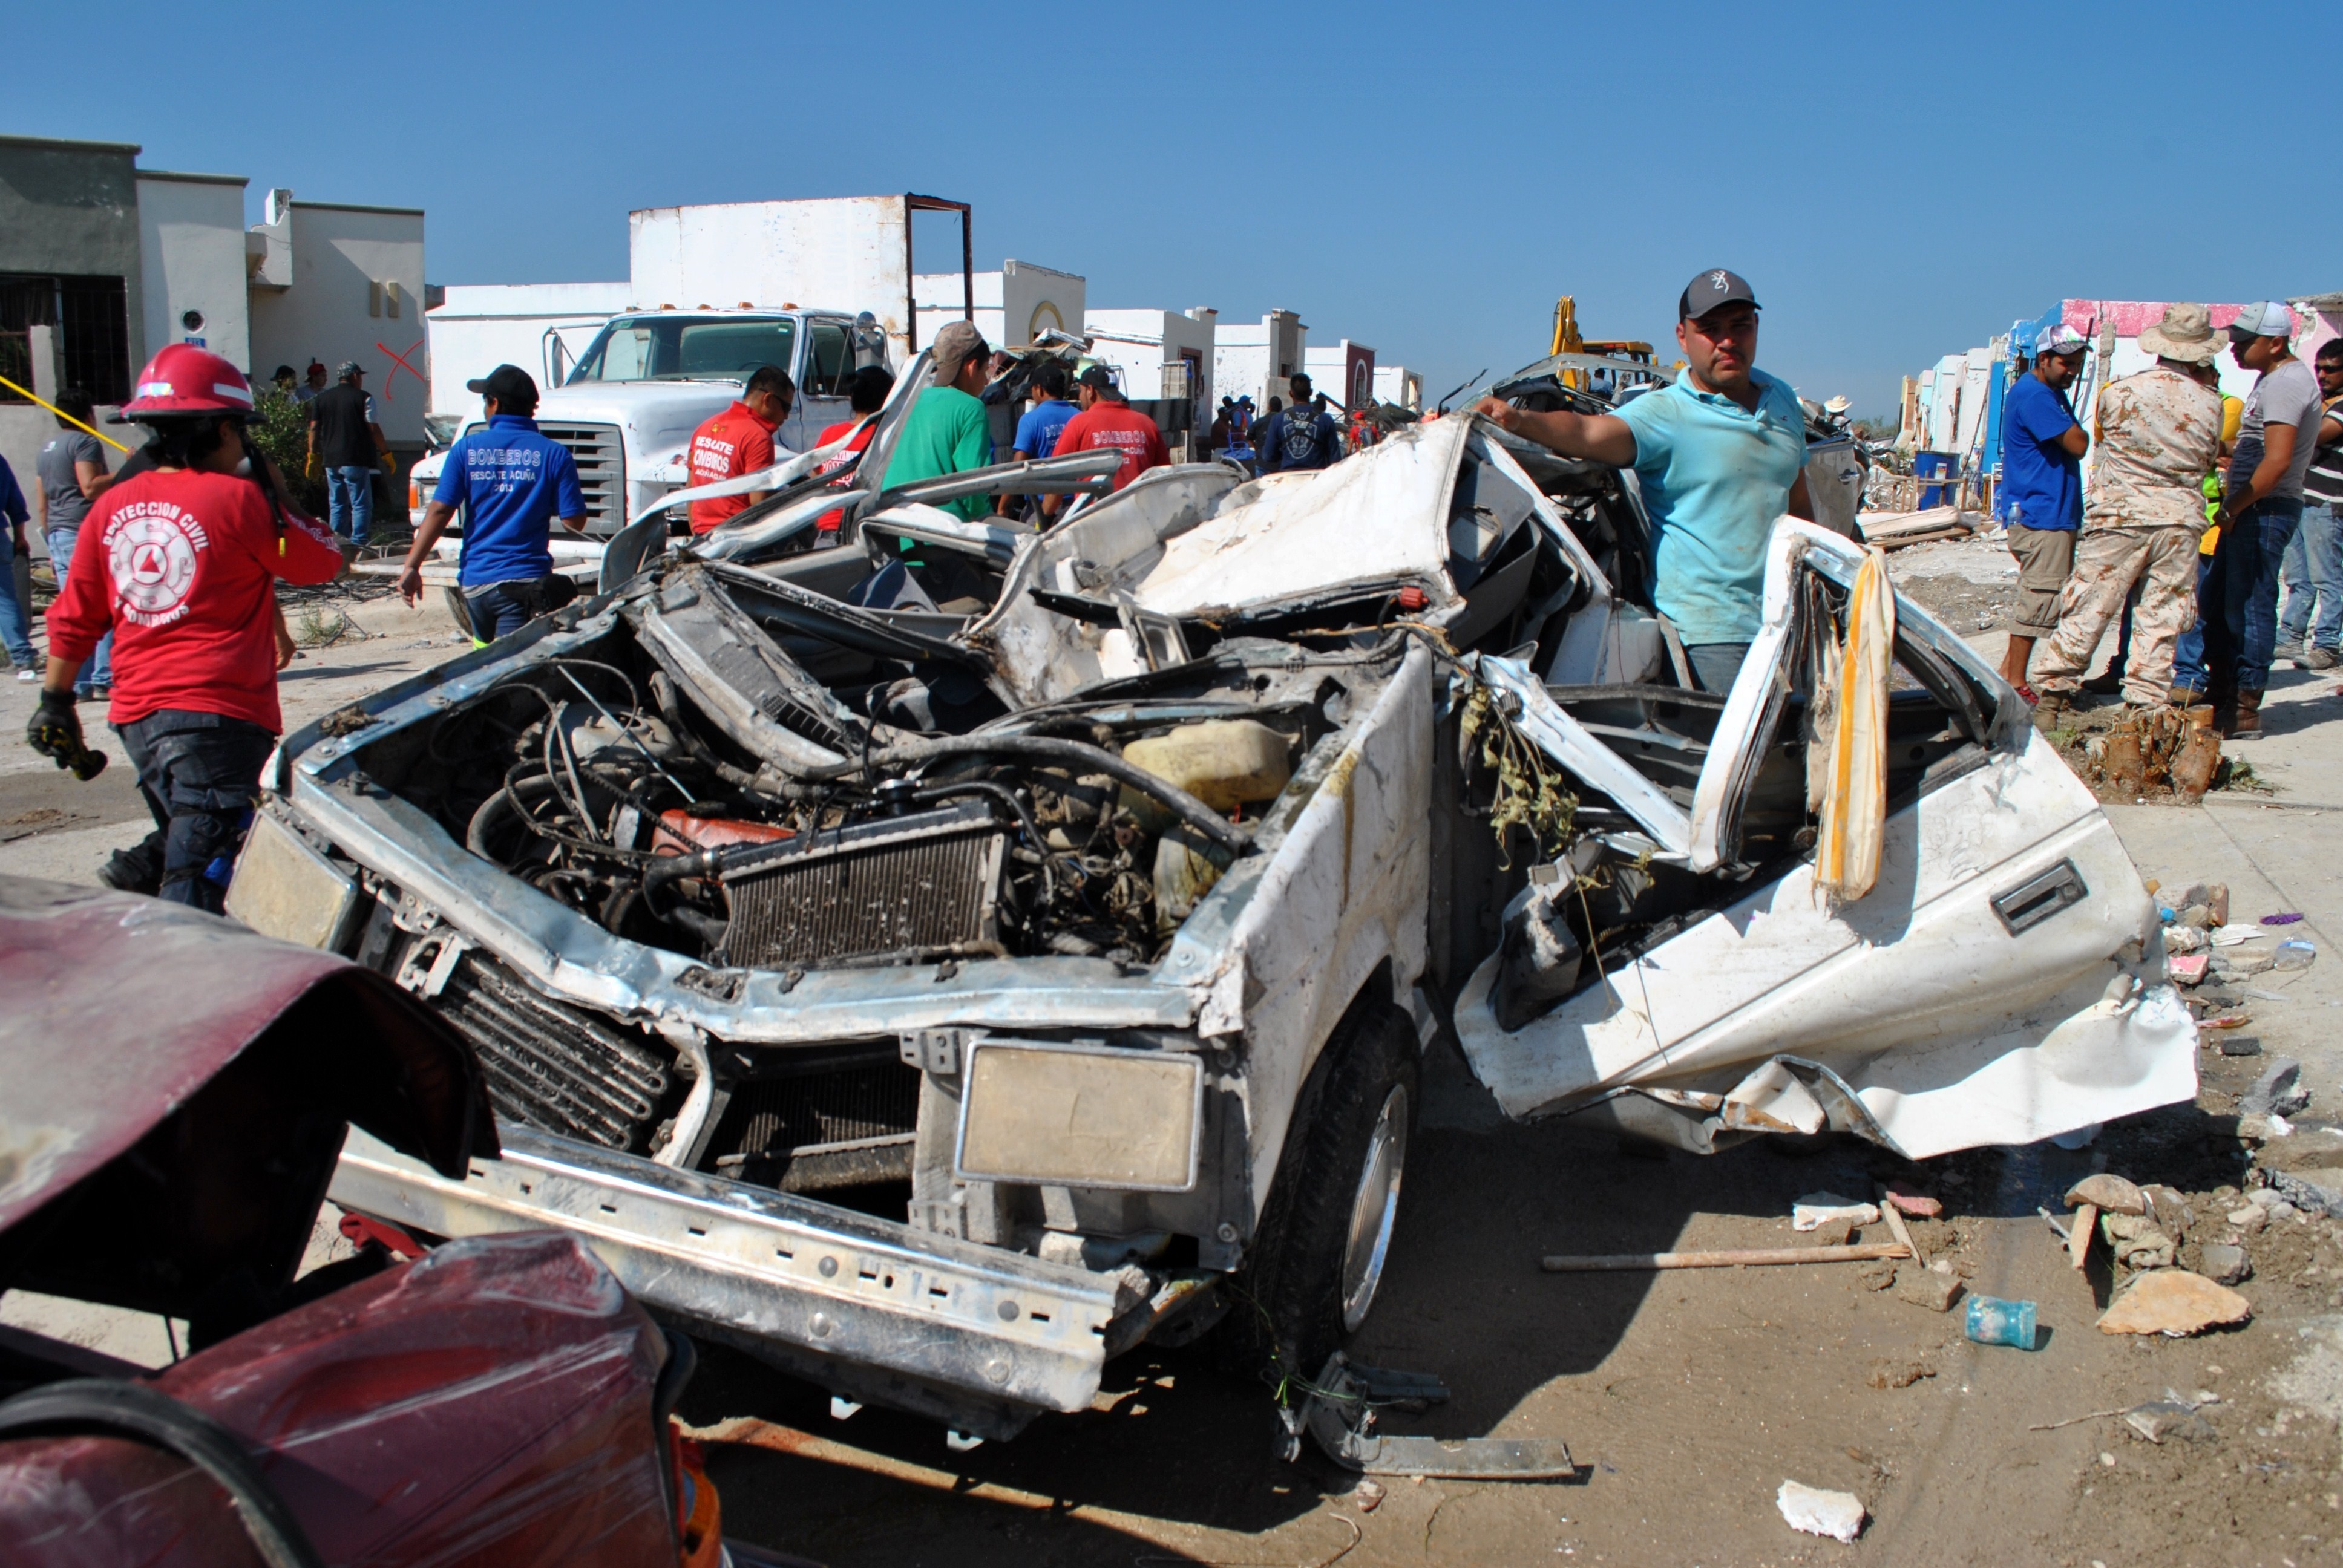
557 1067
602 461
918 887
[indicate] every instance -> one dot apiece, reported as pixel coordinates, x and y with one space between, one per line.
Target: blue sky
1896 182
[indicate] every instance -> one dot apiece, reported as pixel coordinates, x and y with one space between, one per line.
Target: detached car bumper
978 1337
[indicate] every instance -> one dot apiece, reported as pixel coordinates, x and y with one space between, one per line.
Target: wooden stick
1746 1257
1895 1223
2078 1237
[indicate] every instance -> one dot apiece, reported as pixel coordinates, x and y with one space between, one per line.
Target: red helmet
184 379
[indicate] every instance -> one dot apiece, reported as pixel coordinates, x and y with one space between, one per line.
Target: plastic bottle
2293 956
1993 1321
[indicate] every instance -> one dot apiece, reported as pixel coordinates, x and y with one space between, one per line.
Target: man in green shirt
947 431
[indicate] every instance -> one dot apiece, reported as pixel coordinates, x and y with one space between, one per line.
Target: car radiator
835 1125
925 885
556 1066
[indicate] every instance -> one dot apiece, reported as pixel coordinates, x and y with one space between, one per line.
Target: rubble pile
2163 747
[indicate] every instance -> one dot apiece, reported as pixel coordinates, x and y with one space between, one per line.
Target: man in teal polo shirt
1720 455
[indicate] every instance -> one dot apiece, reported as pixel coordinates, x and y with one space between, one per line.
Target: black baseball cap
1099 376
1711 289
509 385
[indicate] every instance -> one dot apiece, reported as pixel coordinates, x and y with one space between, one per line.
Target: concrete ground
1687 1398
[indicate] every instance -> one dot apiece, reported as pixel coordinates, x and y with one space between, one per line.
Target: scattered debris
1339 1416
2318 1188
2285 920
2186 968
2078 1240
2175 1304
1902 1233
2138 1241
2224 1263
1934 1288
2109 1193
1875 1276
2240 1044
1837 1515
347 720
2250 1218
1736 1258
1894 1372
1369 1495
1995 1322
2278 1091
1898 1195
2294 955
2163 1418
1817 1208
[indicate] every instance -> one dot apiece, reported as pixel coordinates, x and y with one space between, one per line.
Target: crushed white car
941 965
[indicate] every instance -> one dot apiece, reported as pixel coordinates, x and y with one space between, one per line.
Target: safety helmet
184 379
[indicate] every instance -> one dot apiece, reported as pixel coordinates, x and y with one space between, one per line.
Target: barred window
91 316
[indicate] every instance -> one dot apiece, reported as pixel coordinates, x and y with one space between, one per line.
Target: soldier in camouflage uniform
2159 432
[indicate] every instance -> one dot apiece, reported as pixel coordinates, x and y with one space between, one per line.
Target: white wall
1013 305
845 252
330 312
1334 370
191 257
1397 384
478 327
1140 343
1243 362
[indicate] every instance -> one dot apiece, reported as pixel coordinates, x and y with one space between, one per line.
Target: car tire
1316 1263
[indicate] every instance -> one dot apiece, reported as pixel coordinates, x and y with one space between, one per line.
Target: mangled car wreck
941 965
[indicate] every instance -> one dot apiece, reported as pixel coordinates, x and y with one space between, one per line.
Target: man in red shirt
180 563
1107 420
739 441
866 395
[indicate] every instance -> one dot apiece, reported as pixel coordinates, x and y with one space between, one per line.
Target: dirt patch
1968 606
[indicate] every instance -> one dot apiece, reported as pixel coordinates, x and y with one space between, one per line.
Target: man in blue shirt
1720 455
2040 498
1299 437
512 483
1040 427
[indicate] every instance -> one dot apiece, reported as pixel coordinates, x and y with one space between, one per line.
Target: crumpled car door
2000 984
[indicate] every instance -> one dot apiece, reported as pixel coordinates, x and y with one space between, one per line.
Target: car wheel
1317 1260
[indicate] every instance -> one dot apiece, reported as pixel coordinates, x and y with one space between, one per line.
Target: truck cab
627 408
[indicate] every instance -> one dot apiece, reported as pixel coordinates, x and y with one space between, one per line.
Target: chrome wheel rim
1374 1206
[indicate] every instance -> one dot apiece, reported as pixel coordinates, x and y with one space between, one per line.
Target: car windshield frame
668 344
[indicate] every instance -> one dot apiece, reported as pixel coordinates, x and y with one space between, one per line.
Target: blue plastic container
1993 1321
1936 466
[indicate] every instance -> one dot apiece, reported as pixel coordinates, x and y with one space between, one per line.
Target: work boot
2245 723
2107 684
2186 696
2322 658
2052 711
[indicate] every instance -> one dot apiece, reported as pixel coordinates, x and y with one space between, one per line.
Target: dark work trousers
501 610
199 772
1715 664
2239 597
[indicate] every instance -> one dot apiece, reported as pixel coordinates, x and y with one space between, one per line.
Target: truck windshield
686 348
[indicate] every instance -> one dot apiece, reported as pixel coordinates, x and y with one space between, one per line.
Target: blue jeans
349 492
1716 665
2188 653
2313 580
199 772
15 620
2239 599
98 668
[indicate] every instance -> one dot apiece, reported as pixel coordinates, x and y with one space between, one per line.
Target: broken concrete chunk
2186 968
2223 1263
1818 1209
2169 1210
2316 1188
1834 1233
1919 1205
2216 900
2198 915
2250 1218
2175 1304
2240 1044
2278 1091
2160 1419
1875 1276
1837 1515
2183 940
2112 1193
2232 964
1927 1288
1898 1371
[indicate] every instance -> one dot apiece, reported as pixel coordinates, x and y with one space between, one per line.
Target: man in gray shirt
70 474
2261 506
